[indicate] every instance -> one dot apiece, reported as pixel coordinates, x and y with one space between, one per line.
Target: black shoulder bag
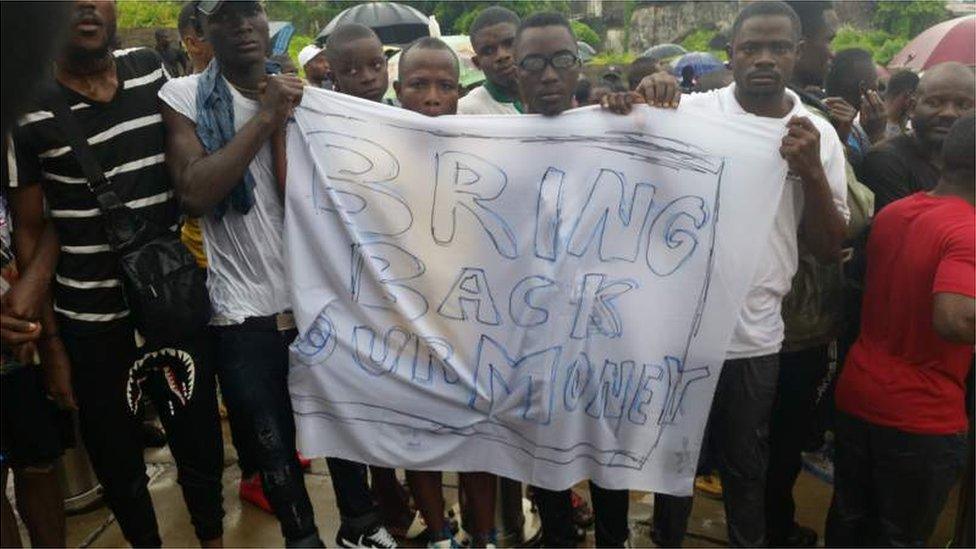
165 289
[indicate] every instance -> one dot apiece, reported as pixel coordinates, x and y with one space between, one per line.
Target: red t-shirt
900 373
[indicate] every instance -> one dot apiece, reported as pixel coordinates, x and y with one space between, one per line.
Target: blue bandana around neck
215 128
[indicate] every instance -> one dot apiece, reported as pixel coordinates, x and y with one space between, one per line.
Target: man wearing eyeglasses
548 68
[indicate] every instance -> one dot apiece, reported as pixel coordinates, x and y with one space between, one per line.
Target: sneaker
582 512
821 463
446 543
417 526
252 492
377 536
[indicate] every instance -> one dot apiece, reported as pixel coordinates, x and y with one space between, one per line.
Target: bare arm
36 249
822 227
30 297
954 317
203 180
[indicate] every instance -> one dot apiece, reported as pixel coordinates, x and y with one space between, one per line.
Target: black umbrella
393 23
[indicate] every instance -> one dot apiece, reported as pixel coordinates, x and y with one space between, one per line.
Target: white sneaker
417 526
377 537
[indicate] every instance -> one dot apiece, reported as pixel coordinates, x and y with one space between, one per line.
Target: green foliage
308 17
140 14
908 19
298 42
456 17
584 33
612 58
882 45
896 23
698 40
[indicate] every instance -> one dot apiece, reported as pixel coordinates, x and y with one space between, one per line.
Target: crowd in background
855 339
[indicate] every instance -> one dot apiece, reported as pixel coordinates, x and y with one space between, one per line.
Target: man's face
429 82
816 53
941 100
549 90
359 69
238 32
317 68
92 27
494 49
763 55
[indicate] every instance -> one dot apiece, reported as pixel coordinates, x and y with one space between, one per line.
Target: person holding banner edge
548 64
236 107
763 52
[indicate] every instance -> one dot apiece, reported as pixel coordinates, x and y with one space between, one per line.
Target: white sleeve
181 95
835 167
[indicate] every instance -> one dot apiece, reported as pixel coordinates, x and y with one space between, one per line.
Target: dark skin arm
822 227
36 238
36 248
954 317
657 90
203 180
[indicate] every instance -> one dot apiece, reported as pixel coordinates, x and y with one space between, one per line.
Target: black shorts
31 427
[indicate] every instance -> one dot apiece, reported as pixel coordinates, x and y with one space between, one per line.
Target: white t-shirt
479 101
245 273
759 330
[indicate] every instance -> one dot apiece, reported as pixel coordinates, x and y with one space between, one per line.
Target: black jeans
738 428
106 378
790 426
610 508
889 485
253 368
252 361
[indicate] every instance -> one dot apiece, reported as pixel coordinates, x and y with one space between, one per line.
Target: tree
134 14
584 33
908 19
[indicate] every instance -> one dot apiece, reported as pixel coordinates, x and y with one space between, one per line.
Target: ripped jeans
252 364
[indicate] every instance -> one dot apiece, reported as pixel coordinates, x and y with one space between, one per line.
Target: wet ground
248 526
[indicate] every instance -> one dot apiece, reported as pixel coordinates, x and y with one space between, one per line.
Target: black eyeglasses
560 60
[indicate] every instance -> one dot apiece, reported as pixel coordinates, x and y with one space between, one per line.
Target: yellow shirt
192 238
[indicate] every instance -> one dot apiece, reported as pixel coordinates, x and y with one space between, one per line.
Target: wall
663 22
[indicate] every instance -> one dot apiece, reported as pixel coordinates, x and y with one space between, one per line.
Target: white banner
548 299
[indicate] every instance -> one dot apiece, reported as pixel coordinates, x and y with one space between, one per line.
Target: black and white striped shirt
127 136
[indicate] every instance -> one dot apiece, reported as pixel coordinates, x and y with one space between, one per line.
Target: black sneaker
375 536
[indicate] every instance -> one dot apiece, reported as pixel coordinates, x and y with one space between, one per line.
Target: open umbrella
586 51
281 33
948 41
664 51
701 62
393 23
461 44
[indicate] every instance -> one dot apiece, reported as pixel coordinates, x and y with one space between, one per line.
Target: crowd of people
860 319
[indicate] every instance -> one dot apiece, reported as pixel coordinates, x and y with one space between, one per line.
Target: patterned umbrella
393 23
953 40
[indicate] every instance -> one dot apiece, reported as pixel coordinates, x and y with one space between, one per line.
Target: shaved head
945 93
949 73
